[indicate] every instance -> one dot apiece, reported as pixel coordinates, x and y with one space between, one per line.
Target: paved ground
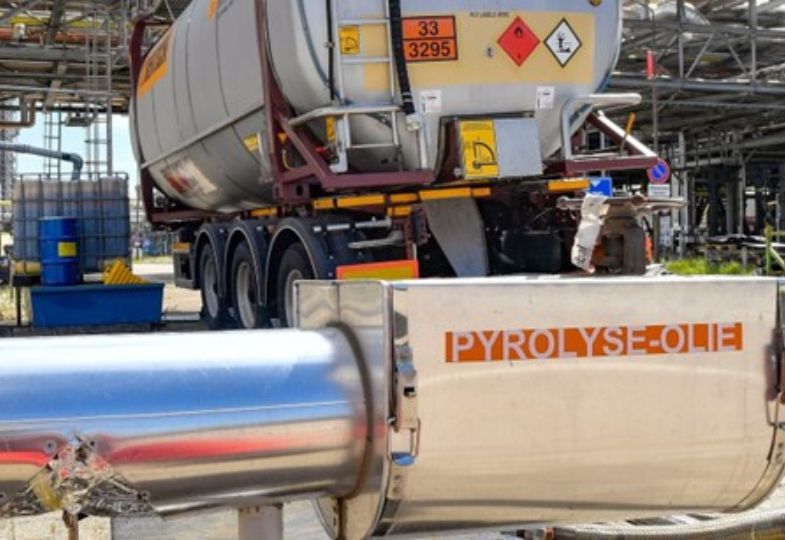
300 523
177 302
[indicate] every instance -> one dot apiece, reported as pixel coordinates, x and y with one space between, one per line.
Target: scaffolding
98 80
713 106
53 140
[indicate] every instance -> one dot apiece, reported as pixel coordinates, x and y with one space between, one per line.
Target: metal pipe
75 159
624 81
107 425
592 101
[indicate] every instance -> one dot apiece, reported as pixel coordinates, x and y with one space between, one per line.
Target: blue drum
58 237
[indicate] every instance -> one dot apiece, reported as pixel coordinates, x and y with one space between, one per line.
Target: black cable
396 32
333 45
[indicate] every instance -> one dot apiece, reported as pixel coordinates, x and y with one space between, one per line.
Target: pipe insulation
108 425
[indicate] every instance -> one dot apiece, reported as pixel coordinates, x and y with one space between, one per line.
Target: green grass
702 267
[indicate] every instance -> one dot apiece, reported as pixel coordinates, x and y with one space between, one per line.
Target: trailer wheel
249 311
214 311
295 265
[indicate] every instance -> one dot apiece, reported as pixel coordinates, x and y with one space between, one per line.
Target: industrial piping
102 427
75 159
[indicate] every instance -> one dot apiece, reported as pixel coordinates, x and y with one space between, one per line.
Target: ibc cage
99 202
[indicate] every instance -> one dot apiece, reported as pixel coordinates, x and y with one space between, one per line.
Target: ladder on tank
341 114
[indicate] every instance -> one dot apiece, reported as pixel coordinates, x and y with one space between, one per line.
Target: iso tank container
199 106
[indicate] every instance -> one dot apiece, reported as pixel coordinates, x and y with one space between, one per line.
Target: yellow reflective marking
478 138
264 212
399 211
362 200
440 194
389 271
568 184
324 204
404 198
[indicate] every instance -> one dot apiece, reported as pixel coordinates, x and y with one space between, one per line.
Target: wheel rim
245 301
293 276
210 287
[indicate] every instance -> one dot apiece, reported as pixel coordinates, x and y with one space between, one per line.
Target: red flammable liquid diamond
519 41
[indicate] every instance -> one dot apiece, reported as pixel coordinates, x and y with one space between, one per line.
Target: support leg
72 524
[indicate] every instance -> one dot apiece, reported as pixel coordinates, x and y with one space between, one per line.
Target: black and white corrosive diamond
563 43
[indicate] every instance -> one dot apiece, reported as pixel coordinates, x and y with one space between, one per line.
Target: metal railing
772 255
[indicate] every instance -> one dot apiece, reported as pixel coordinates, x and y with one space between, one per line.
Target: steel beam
637 82
39 54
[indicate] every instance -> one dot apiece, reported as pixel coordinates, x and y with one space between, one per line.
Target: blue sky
73 141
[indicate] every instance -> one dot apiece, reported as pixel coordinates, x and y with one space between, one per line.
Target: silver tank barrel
135 424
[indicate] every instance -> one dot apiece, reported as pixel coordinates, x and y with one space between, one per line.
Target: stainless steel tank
199 104
95 424
415 407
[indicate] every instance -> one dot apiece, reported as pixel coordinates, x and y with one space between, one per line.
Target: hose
396 32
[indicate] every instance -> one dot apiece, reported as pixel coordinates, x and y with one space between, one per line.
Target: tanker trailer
291 140
420 407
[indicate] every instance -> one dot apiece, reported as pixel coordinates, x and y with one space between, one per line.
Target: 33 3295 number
429 39
431 49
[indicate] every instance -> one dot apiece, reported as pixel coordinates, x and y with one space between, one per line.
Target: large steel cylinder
199 105
124 424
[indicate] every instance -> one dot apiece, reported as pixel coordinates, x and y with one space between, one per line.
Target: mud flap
458 228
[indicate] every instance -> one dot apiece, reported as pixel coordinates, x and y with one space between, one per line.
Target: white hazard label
564 43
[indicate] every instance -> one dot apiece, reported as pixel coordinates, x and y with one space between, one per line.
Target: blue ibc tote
58 239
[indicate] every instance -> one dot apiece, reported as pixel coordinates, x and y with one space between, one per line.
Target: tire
214 311
248 310
295 265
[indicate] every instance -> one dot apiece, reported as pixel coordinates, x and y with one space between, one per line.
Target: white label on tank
431 101
187 179
546 96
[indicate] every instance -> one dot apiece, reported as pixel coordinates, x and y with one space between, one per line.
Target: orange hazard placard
594 342
430 39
